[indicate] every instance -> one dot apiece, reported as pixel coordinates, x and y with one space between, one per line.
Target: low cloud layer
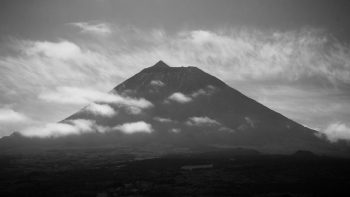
71 127
101 109
336 131
202 121
180 98
81 126
134 127
71 95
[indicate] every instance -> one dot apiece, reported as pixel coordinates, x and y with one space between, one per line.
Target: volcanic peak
161 67
161 64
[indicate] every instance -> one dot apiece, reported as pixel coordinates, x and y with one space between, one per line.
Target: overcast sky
292 56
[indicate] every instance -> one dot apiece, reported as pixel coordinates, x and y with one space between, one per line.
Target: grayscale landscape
174 98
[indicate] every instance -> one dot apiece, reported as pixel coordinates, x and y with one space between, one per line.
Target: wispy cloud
101 109
99 29
134 127
202 121
53 68
252 54
40 65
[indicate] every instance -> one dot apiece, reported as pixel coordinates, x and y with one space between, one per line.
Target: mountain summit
161 64
185 107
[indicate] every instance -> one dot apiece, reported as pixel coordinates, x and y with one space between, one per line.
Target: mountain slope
190 108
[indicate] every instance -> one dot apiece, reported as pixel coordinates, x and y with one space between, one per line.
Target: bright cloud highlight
101 109
134 127
336 131
179 97
63 50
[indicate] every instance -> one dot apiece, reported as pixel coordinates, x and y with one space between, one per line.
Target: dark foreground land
125 171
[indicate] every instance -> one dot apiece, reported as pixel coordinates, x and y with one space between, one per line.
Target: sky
291 56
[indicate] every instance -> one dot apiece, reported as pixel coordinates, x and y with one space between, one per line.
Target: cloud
11 116
179 97
30 68
305 104
157 83
304 57
252 54
250 122
336 131
175 130
260 55
133 110
35 66
207 91
63 50
135 127
226 129
73 95
159 119
50 130
202 121
237 54
100 29
71 127
101 109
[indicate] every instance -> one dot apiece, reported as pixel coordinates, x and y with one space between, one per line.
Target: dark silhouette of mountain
304 153
190 108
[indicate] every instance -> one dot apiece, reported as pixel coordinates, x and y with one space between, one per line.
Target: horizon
292 57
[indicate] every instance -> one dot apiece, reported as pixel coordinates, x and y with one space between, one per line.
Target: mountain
185 107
